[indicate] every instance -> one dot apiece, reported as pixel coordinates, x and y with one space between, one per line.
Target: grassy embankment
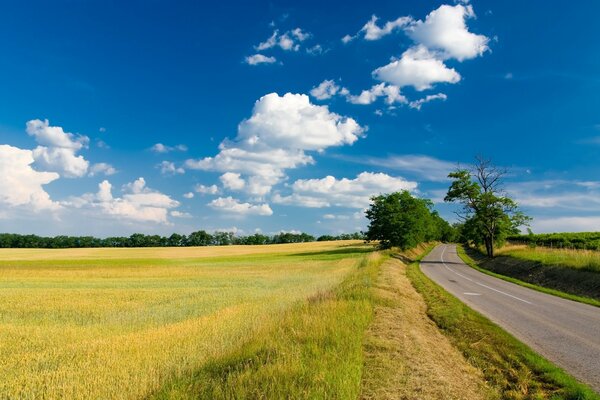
510 368
571 274
121 323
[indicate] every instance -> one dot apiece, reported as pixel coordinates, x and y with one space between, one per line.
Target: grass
314 351
523 266
406 355
510 368
587 260
128 323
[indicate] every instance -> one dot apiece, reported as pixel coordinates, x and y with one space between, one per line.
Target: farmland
119 323
566 240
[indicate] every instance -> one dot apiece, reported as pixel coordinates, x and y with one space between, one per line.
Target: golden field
119 323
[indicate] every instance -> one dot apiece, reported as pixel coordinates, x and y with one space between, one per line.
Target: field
123 323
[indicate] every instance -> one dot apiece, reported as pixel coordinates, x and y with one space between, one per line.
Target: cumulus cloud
276 137
138 203
161 148
372 31
188 195
57 149
257 59
418 103
232 180
169 168
288 41
326 90
231 205
445 29
20 184
351 193
391 94
203 189
418 67
102 168
424 167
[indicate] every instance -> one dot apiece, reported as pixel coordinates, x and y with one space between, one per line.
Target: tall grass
79 326
588 260
313 352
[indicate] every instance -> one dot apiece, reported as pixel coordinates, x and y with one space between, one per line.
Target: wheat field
118 323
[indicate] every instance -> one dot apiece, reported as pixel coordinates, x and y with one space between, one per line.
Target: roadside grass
77 325
509 367
587 260
406 355
314 351
568 282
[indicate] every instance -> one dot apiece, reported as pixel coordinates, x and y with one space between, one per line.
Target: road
565 332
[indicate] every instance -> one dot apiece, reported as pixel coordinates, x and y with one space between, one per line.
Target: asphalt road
565 332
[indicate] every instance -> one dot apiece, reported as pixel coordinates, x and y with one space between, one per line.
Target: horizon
169 117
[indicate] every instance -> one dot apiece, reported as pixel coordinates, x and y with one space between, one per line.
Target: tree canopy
401 220
488 214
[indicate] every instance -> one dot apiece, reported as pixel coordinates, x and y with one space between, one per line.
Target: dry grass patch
406 356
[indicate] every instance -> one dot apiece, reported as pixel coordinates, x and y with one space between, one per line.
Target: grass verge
314 351
559 272
509 367
406 355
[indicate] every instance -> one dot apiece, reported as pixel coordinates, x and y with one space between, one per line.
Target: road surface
565 332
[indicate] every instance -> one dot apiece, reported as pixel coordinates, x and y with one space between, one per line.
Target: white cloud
180 214
316 50
57 148
102 168
139 203
202 189
347 39
391 93
288 41
276 137
232 180
188 195
444 29
418 103
257 59
566 224
372 31
425 167
161 148
169 168
231 205
351 193
21 185
418 67
326 90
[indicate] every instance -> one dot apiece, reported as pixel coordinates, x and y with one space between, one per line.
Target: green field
131 323
588 260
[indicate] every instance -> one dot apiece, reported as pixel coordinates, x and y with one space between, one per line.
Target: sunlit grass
578 259
118 324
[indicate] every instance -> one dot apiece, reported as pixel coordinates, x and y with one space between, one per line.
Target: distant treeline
577 240
199 238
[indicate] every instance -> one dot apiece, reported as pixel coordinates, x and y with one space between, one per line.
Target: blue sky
160 117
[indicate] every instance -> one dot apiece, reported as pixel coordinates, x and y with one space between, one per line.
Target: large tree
401 220
489 215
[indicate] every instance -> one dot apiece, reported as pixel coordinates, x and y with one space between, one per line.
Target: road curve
565 332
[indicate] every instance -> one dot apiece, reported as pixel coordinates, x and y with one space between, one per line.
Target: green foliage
198 238
401 220
489 216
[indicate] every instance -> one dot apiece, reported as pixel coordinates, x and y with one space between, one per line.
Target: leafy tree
401 220
489 215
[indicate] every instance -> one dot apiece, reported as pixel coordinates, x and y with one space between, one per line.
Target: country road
565 332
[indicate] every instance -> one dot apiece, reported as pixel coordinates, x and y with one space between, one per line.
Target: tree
489 215
401 220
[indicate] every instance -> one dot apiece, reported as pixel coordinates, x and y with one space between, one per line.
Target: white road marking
472 294
478 283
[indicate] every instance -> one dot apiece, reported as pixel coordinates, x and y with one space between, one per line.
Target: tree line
198 238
